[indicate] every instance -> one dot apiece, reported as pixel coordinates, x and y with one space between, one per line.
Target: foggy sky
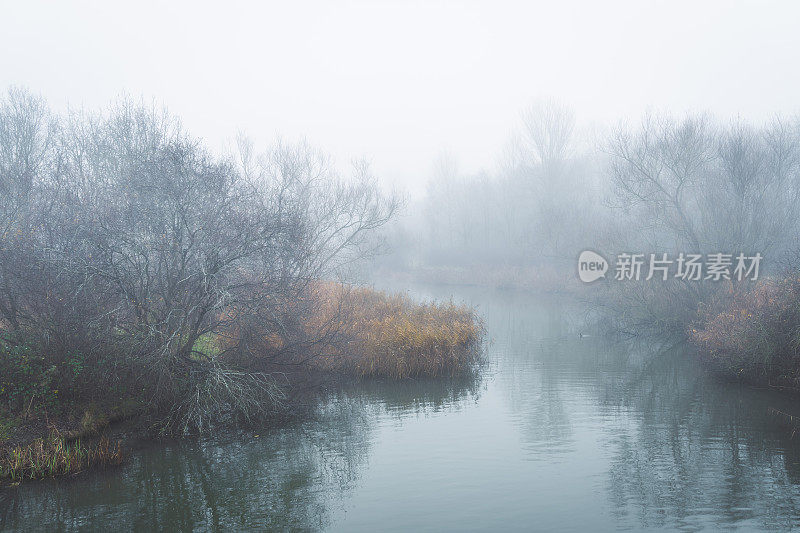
398 82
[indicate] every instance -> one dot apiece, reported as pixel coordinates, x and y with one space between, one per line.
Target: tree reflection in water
289 478
565 429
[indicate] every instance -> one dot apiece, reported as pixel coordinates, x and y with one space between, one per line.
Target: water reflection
701 452
286 479
677 448
271 482
566 430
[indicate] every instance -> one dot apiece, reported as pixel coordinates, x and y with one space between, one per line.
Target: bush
25 375
753 334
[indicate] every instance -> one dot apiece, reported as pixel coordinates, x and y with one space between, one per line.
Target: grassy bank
56 416
56 440
742 331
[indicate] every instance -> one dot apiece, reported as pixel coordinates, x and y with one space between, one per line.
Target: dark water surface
562 432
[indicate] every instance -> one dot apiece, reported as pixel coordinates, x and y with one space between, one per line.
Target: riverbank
752 333
368 335
744 332
641 423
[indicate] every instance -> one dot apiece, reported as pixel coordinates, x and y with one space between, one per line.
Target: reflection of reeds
54 456
395 337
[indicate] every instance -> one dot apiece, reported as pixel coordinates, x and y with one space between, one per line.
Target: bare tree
706 186
548 127
659 167
26 131
123 238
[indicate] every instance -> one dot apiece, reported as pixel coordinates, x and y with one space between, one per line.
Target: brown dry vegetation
753 334
363 332
358 332
390 335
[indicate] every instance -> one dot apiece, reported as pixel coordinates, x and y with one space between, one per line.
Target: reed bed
392 336
55 456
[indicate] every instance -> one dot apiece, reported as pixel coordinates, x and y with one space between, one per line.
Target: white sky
400 81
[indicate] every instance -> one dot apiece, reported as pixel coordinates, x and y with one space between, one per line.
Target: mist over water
562 432
217 217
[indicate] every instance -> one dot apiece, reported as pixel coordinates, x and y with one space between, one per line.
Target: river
564 430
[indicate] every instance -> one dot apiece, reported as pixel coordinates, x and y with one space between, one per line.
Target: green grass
54 456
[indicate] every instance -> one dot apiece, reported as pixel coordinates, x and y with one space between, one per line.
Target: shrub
127 249
753 334
25 374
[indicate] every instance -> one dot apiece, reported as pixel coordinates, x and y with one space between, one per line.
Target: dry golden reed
390 335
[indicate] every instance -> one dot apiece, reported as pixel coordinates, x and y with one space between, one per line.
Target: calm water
562 432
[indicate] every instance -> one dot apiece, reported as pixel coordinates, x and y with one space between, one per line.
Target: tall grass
390 335
54 456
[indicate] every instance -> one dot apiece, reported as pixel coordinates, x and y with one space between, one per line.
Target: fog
457 265
401 82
